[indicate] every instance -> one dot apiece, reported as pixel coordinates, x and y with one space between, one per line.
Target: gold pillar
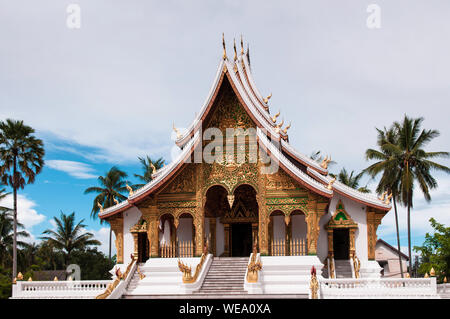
199 235
373 221
212 232
352 248
135 240
116 223
254 233
226 233
315 212
288 233
330 243
270 232
263 229
150 215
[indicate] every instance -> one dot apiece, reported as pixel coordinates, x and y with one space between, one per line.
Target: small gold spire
325 162
388 199
19 276
274 118
177 131
330 184
266 100
242 46
432 272
153 168
445 279
382 196
426 275
407 275
115 200
130 190
235 52
30 279
100 207
224 48
287 128
55 279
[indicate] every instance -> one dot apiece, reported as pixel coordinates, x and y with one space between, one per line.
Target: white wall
130 217
357 212
299 227
184 230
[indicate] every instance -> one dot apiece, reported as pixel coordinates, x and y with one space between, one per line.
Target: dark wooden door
341 244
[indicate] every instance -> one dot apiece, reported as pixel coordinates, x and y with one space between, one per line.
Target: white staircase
226 276
343 268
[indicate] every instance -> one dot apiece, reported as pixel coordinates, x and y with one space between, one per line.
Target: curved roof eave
302 158
293 171
363 198
157 182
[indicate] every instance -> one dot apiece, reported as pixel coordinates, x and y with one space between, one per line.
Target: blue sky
106 93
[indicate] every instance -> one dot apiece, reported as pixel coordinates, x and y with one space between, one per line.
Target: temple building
258 194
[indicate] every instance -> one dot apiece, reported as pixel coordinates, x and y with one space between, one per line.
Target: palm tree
69 236
7 236
352 181
22 156
112 185
390 178
408 162
148 169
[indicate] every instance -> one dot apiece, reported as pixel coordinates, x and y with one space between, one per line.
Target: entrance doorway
241 239
341 244
143 246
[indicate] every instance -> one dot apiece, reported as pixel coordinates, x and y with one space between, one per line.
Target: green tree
435 251
69 236
7 237
94 264
410 163
112 185
352 180
147 165
22 158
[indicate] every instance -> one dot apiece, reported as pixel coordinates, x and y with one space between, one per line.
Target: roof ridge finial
234 47
242 46
224 48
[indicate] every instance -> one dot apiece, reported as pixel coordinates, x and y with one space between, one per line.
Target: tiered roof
239 75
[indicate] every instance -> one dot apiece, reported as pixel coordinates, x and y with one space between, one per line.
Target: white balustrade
378 288
59 289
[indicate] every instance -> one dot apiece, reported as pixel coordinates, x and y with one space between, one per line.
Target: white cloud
75 169
26 213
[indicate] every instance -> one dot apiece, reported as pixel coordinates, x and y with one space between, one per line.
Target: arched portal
231 220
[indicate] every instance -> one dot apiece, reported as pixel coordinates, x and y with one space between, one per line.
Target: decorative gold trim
314 284
119 276
254 266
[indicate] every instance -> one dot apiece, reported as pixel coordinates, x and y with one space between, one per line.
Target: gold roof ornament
287 128
235 52
242 46
274 118
266 100
130 190
426 275
445 279
432 272
69 278
388 199
100 207
330 184
407 275
177 131
115 200
224 48
19 276
325 162
55 279
30 279
153 168
382 196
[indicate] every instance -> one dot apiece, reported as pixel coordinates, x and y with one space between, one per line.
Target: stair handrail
254 266
356 266
119 278
314 284
187 270
332 272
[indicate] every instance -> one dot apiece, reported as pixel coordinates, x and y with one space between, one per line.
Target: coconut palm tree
112 185
7 236
147 168
69 236
389 181
351 181
21 158
410 163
